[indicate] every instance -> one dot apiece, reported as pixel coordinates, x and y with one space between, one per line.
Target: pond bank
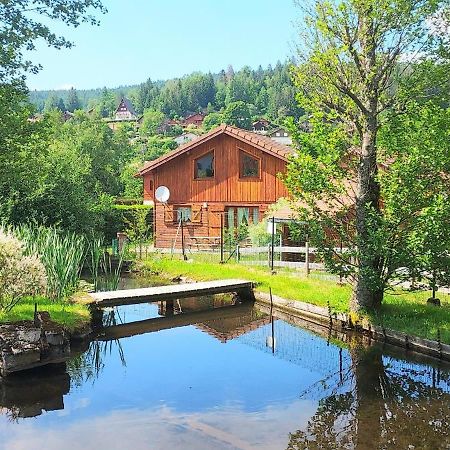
34 343
29 339
407 313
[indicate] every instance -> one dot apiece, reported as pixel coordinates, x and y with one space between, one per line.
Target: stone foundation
28 344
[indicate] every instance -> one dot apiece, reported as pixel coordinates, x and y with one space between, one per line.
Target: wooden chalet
193 119
227 176
281 135
261 126
124 112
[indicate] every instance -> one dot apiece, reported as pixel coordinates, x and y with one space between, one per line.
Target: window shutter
196 214
168 213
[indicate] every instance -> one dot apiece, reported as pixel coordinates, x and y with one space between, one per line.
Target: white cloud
163 428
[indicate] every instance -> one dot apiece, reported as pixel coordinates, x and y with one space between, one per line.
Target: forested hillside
267 92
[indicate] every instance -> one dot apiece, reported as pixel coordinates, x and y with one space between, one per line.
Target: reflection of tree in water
389 407
88 365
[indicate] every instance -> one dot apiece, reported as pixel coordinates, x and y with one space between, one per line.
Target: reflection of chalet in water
222 328
225 178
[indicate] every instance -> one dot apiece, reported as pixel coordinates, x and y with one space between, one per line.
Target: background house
261 126
281 135
227 176
184 138
194 119
124 113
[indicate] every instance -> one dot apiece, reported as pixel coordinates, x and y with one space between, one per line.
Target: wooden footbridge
244 289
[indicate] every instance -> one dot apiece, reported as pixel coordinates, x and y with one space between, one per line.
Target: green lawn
69 315
406 312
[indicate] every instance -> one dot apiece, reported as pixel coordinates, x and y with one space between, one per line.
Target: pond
210 373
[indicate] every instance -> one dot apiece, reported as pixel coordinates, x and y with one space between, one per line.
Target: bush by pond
22 273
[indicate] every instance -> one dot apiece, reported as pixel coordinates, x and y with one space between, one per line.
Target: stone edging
326 317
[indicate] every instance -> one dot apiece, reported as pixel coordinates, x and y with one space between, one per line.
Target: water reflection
388 403
214 373
30 394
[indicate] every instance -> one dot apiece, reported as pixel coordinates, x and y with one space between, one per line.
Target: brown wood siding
226 186
167 233
225 189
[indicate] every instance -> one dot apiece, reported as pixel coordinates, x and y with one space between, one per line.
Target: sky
161 39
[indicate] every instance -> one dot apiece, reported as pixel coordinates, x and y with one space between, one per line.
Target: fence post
281 248
237 252
307 258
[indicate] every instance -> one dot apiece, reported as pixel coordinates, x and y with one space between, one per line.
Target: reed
95 254
105 275
61 253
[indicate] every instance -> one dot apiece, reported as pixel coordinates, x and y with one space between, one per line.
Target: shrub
62 254
20 275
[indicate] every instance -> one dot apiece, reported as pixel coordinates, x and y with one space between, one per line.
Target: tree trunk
368 289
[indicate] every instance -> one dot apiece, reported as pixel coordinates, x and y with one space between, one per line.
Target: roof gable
261 142
125 103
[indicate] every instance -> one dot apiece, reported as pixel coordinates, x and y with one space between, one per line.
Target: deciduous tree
359 61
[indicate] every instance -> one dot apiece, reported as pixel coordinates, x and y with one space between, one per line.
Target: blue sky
161 39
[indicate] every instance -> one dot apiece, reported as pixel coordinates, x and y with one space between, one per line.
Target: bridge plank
173 291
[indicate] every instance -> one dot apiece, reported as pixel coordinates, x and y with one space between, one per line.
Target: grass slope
69 315
406 312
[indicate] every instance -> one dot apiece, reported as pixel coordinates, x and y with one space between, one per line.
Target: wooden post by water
273 244
221 239
307 257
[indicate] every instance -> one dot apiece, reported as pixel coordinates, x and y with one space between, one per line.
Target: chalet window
183 213
204 166
236 216
249 166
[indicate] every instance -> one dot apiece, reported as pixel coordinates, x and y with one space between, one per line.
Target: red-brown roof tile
262 142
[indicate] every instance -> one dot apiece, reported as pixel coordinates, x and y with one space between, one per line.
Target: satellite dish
162 194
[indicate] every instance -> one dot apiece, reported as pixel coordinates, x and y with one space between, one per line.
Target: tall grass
105 276
61 253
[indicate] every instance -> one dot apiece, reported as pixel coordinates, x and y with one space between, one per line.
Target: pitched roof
128 105
261 142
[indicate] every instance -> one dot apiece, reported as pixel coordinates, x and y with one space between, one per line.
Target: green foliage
157 146
416 192
257 232
137 221
212 120
73 102
152 122
238 114
353 86
21 274
132 186
107 103
270 92
105 276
